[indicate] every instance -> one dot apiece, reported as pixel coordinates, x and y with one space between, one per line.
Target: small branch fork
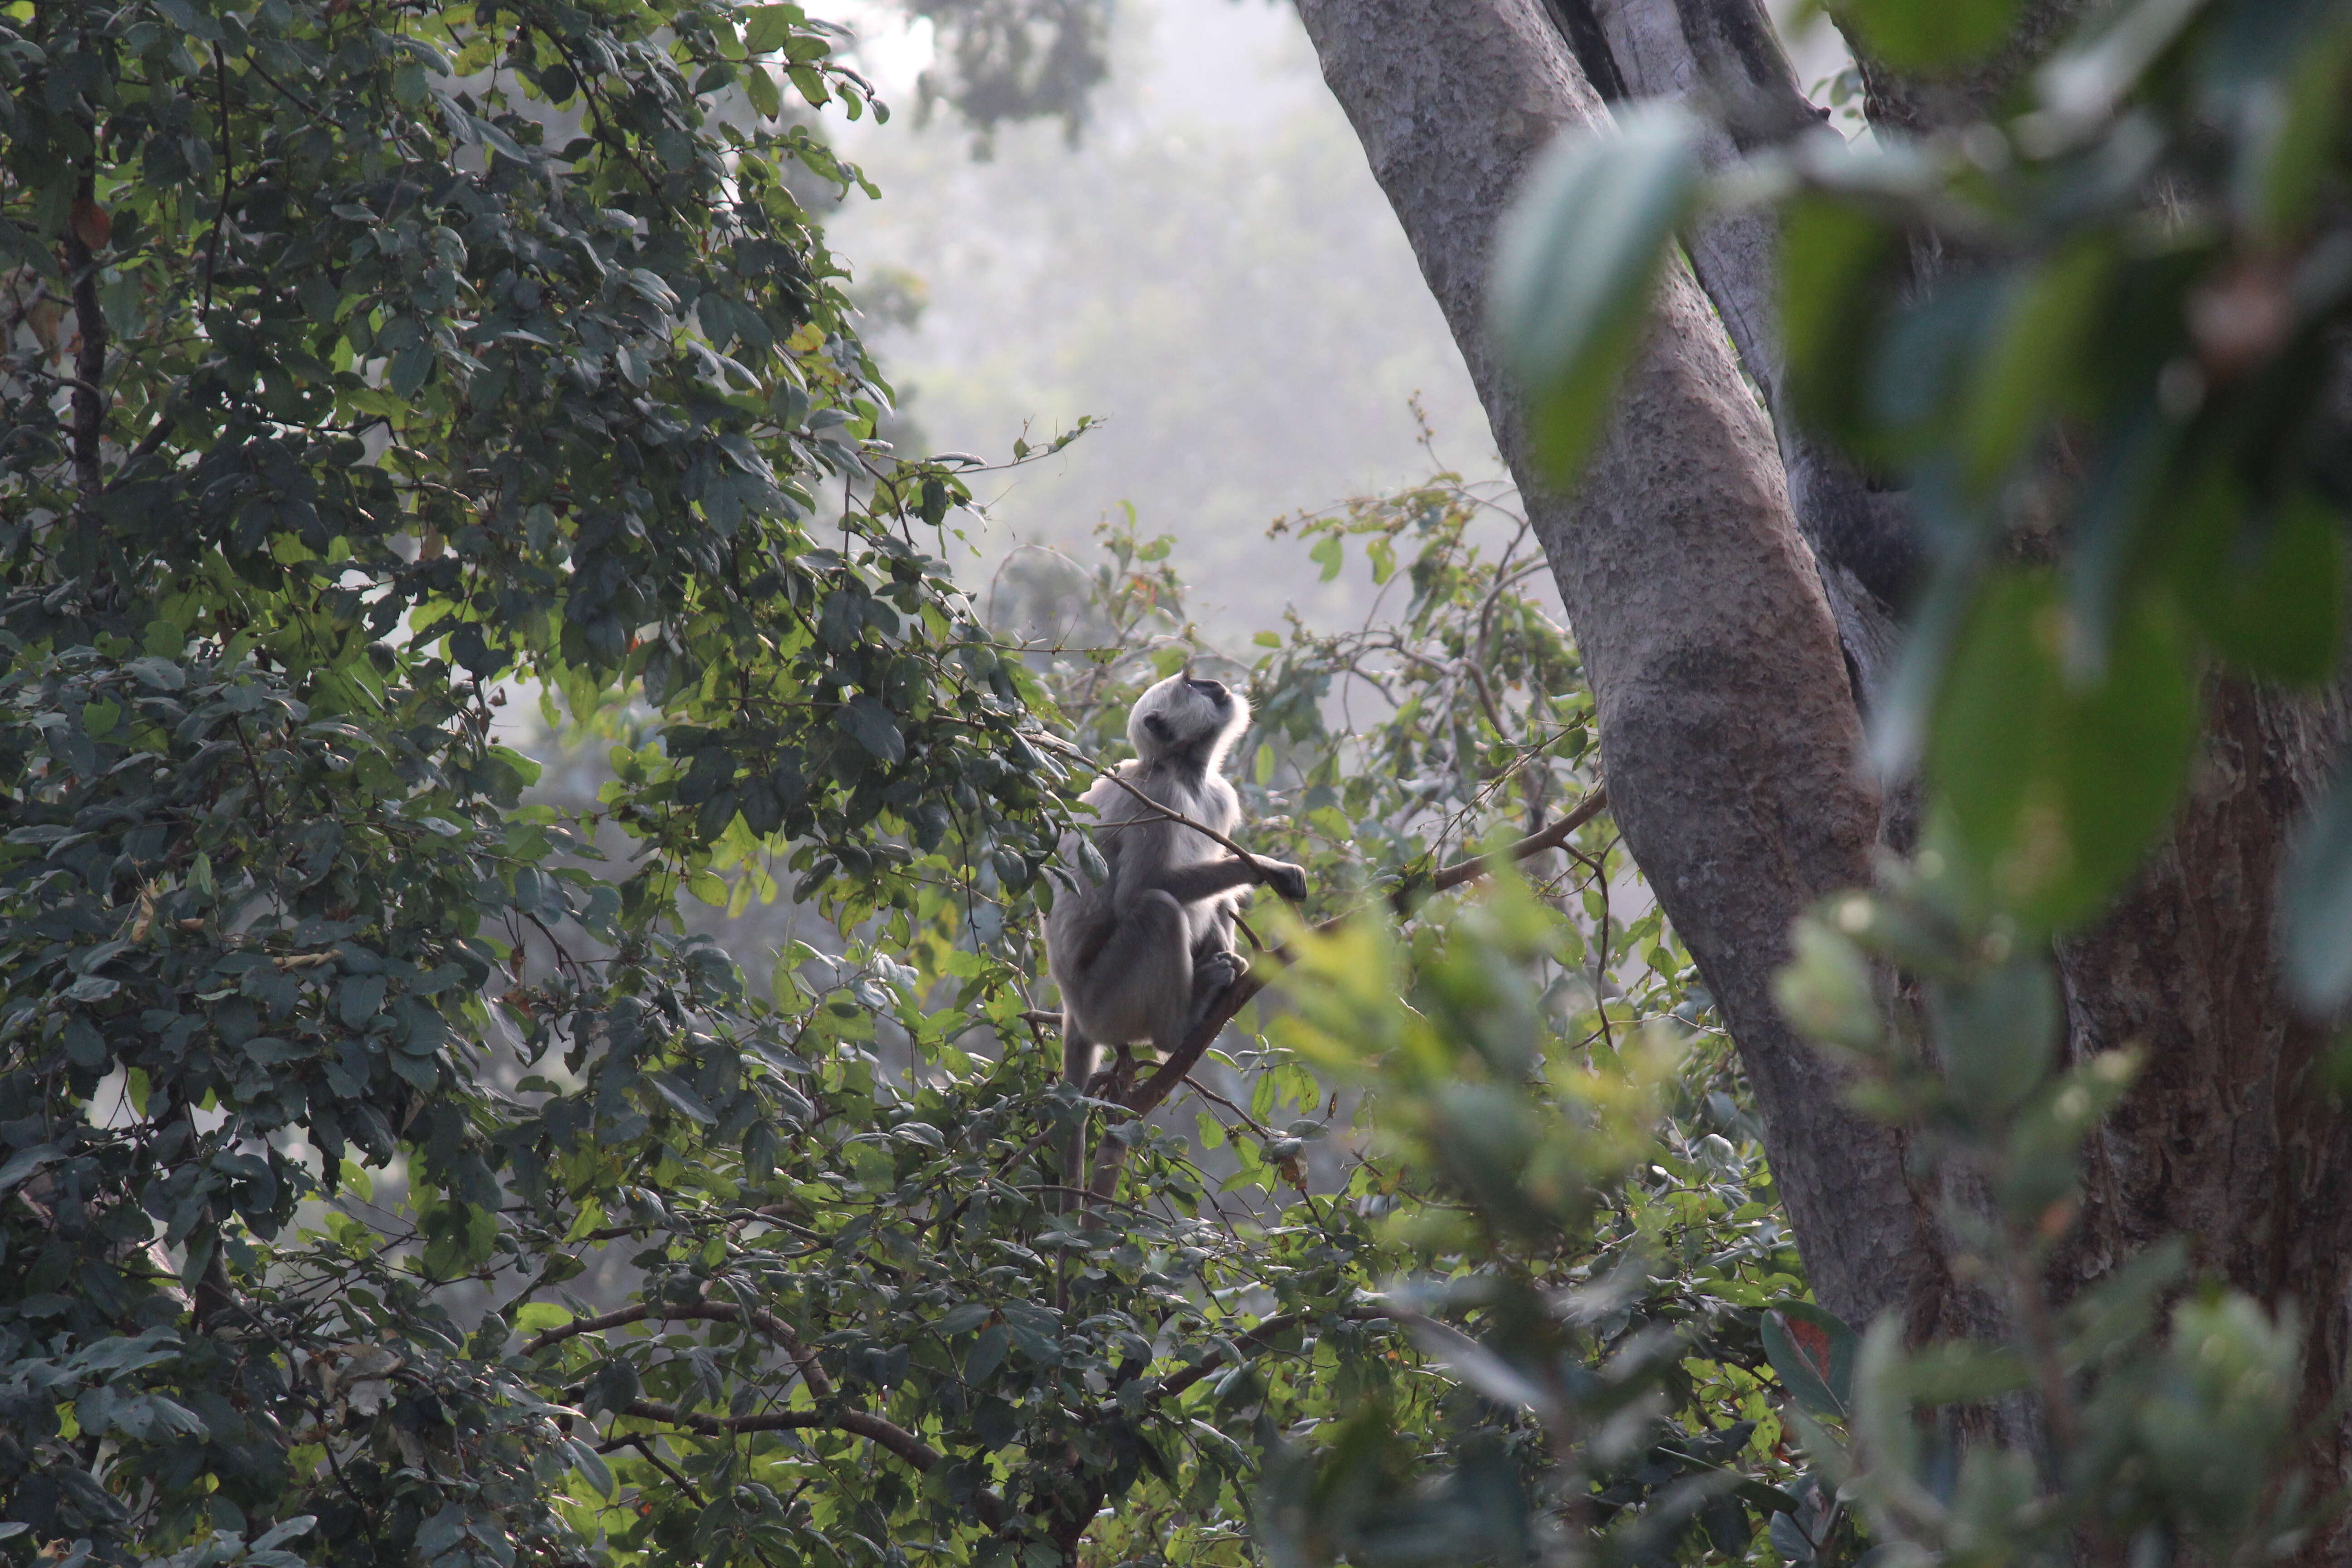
1145 1098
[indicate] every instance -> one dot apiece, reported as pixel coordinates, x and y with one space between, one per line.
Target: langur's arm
1191 884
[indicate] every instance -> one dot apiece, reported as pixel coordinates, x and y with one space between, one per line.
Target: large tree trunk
1730 732
1724 57
2231 1139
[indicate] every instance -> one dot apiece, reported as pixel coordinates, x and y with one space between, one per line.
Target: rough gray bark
1730 732
1723 57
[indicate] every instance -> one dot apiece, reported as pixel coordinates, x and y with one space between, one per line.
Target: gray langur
1144 954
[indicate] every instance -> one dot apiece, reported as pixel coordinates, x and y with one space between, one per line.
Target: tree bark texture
2230 1139
1730 732
1724 58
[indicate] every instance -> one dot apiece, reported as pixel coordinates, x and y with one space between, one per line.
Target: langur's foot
1212 974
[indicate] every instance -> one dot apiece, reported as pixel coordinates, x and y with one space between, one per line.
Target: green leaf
24 1162
191 18
410 366
1812 1350
1997 1032
1576 262
673 1088
963 1319
987 1353
2266 589
870 724
770 28
591 1466
761 88
1329 553
359 999
2057 789
2289 153
1831 252
1925 35
2028 368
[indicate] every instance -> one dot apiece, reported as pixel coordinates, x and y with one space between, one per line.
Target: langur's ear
1157 728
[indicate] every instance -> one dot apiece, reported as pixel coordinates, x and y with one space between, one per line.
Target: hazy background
1211 270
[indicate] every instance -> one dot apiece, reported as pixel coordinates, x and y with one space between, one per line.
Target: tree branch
89 357
882 1433
888 1434
1450 877
819 1383
1177 1382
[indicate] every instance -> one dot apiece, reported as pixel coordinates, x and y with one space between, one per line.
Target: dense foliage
2099 338
389 1175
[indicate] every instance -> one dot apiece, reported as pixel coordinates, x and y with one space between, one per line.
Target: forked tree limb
884 1433
857 1423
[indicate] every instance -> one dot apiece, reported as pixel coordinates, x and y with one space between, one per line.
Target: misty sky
1213 271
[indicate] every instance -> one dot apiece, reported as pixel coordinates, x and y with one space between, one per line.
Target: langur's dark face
1215 690
1184 711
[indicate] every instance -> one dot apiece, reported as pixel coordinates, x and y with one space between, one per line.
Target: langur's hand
1285 878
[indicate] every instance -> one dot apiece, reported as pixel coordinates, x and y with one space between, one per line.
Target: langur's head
1188 717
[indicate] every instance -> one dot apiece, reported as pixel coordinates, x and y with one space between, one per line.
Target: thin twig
1535 844
643 1445
819 1383
1178 818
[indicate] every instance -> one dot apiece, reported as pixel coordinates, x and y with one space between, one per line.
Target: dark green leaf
1812 1350
1575 265
2057 789
870 724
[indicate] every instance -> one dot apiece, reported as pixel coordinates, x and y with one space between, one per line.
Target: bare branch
888 1434
1535 844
